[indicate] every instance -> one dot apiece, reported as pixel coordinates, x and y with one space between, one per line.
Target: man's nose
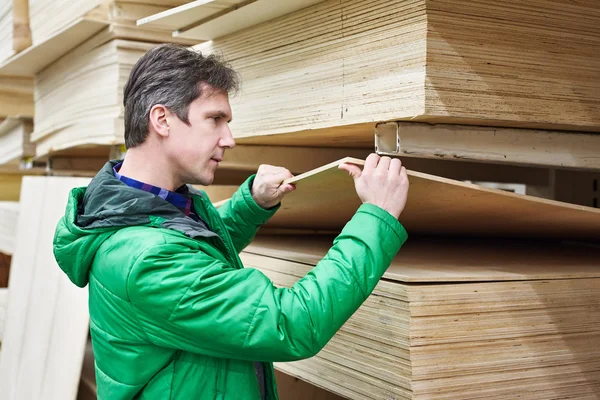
227 139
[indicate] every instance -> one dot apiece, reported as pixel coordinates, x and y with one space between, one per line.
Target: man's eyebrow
222 114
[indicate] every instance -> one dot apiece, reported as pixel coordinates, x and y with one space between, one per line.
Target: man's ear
158 120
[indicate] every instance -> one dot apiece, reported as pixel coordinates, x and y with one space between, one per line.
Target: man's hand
267 189
383 182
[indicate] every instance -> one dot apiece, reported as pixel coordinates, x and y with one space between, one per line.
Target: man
174 315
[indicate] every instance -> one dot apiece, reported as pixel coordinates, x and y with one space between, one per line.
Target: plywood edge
245 15
31 61
174 18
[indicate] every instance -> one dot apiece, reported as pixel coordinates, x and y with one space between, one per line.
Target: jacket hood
94 213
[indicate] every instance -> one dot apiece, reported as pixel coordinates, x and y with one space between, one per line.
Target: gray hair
171 75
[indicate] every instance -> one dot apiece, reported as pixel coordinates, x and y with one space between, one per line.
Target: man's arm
185 299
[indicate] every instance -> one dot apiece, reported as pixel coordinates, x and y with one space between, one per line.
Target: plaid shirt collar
180 198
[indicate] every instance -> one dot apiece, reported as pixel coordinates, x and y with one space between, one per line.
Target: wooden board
325 198
207 20
188 14
36 58
9 213
447 260
47 317
337 68
3 304
514 146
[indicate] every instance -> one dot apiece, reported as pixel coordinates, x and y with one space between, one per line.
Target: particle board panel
325 198
47 317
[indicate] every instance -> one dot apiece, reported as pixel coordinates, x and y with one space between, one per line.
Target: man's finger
276 177
371 162
353 170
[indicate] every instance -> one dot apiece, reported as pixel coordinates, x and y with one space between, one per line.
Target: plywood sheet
447 260
325 198
188 14
47 316
207 20
9 213
36 58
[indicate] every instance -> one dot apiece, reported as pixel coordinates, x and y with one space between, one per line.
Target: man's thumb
353 170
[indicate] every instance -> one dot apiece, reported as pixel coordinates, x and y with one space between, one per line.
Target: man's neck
153 171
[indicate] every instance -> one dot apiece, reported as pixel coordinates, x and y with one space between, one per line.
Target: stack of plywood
15 144
326 74
49 17
457 320
79 99
14 28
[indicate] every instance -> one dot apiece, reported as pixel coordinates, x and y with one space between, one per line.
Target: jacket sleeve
186 300
243 217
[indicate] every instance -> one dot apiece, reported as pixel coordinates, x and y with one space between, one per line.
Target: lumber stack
326 74
457 319
14 28
79 99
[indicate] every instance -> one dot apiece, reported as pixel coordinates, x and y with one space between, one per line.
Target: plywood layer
325 198
336 68
517 330
79 98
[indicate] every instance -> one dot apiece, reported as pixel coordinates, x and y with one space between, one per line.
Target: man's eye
216 119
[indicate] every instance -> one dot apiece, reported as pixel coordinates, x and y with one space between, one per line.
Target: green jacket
173 312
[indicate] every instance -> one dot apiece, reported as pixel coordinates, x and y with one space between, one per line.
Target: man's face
196 149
